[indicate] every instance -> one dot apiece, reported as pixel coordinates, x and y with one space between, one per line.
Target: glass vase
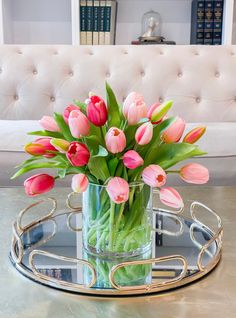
117 230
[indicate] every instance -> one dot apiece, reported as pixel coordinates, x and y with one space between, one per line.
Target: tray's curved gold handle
171 216
16 241
217 235
149 261
68 221
22 228
69 204
65 259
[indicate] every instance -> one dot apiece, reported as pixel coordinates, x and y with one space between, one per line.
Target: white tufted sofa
37 80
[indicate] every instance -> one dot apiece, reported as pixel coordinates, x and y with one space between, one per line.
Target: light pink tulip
49 123
134 108
174 132
38 184
115 140
194 173
171 197
194 135
68 110
79 183
41 147
118 190
78 154
97 110
132 159
144 134
154 176
78 123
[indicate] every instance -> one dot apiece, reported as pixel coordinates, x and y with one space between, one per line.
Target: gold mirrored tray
49 251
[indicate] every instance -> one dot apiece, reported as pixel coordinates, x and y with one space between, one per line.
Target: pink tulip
132 159
154 176
118 190
144 134
115 140
171 197
78 154
49 123
194 135
194 173
41 147
79 124
97 111
174 132
38 184
134 108
68 110
79 183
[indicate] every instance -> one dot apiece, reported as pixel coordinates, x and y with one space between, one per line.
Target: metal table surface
212 296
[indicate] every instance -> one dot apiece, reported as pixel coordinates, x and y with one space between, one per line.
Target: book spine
218 6
108 22
83 22
102 22
197 22
208 25
96 18
89 33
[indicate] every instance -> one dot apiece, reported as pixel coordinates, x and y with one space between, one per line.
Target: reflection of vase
130 275
117 230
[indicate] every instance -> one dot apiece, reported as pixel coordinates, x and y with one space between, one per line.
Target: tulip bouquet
116 154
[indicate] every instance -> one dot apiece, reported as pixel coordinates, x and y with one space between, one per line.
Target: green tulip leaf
114 115
64 127
47 133
81 105
98 167
102 152
112 165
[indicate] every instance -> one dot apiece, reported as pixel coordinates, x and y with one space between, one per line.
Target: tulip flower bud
171 197
60 144
174 132
115 140
78 154
79 124
132 159
68 110
97 111
194 135
159 111
38 184
194 173
41 147
134 108
144 134
49 123
79 183
154 176
118 190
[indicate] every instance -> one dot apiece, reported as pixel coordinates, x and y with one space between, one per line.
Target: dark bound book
218 6
96 18
208 25
83 22
197 22
89 35
102 22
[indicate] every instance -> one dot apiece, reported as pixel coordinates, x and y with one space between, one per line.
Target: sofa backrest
38 80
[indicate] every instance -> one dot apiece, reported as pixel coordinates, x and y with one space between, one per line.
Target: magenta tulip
194 135
118 190
49 123
115 140
171 197
174 132
79 183
154 176
38 184
97 111
79 124
132 159
41 147
194 173
144 134
68 110
134 108
78 154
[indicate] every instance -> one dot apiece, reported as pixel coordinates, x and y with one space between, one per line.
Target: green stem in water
122 206
111 225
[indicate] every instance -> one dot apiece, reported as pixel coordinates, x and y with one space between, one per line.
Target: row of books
206 23
97 22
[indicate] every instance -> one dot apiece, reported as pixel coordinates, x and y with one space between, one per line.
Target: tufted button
35 72
52 99
108 74
232 53
55 53
91 53
234 99
71 73
161 100
19 52
180 74
161 53
198 100
123 98
142 73
126 52
196 53
16 97
0 70
217 74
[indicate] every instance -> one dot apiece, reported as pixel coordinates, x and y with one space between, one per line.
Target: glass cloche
151 26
